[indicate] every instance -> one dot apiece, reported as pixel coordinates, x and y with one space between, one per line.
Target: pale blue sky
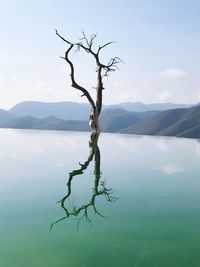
159 41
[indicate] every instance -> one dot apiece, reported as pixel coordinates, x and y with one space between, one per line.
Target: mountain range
79 111
133 118
61 110
141 107
182 122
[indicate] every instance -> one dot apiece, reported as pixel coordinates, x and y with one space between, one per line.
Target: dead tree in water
86 44
99 189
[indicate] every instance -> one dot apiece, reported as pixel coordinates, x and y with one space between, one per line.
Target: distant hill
5 116
113 120
110 120
141 107
61 110
48 123
184 122
78 111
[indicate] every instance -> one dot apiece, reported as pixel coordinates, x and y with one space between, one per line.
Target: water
134 202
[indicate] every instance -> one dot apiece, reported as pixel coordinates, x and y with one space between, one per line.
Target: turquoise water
134 202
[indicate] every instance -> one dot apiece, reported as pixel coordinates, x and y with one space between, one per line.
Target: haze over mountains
79 111
141 107
134 118
61 110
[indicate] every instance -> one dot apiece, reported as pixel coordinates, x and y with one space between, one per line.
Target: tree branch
62 37
74 83
101 47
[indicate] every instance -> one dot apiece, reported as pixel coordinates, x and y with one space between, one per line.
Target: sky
158 41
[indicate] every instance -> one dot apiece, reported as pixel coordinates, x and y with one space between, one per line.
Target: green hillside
113 120
48 123
177 122
116 119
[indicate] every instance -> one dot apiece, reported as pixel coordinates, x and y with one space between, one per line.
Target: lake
132 201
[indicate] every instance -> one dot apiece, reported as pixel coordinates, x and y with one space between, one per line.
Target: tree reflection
99 188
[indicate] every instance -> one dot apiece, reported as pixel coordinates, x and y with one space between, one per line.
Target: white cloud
132 95
164 96
2 79
174 73
171 169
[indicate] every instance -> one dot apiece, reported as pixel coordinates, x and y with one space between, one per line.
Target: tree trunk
94 117
94 122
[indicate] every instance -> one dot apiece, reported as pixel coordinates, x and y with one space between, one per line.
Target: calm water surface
132 201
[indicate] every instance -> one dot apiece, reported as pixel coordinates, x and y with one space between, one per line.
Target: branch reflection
99 188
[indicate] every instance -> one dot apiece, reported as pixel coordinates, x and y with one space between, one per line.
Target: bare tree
102 70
